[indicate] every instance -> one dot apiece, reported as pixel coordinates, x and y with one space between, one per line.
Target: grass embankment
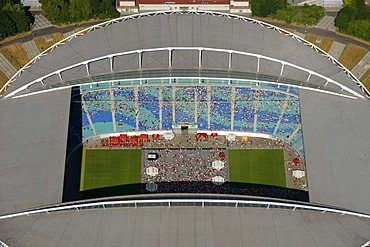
16 55
325 43
351 55
43 44
365 79
3 79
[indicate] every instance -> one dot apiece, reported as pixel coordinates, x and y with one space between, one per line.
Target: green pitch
104 168
257 166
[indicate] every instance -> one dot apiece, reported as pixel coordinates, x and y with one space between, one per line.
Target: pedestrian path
302 35
113 110
233 92
327 23
336 49
31 49
7 67
68 34
136 95
362 66
282 113
41 22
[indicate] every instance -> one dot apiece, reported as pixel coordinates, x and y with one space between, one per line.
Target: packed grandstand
184 128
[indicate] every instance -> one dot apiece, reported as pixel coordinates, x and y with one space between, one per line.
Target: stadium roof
163 40
33 135
178 225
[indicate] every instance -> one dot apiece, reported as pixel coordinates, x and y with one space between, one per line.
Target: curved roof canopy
190 43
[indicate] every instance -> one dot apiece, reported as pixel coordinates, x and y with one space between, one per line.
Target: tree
13 19
363 11
359 28
264 8
17 14
95 6
7 26
108 9
5 2
64 11
55 10
348 2
354 19
345 15
80 10
307 15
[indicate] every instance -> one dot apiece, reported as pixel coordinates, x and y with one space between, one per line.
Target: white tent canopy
152 171
168 135
218 164
151 187
218 180
231 137
298 174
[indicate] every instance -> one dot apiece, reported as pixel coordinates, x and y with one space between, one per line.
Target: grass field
105 168
3 78
42 44
351 55
16 55
257 166
365 79
324 44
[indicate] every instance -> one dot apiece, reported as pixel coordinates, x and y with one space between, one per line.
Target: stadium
184 128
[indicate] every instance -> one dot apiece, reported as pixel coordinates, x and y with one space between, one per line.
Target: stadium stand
259 107
125 111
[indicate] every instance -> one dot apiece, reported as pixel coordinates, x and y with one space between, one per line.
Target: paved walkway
233 93
209 105
302 35
256 106
41 22
295 132
322 32
6 66
136 94
31 48
173 104
336 49
327 23
67 34
112 107
282 113
160 99
360 69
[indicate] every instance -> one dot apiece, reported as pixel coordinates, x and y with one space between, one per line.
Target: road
47 31
321 32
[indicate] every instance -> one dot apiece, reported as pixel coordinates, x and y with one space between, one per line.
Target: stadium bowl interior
138 90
